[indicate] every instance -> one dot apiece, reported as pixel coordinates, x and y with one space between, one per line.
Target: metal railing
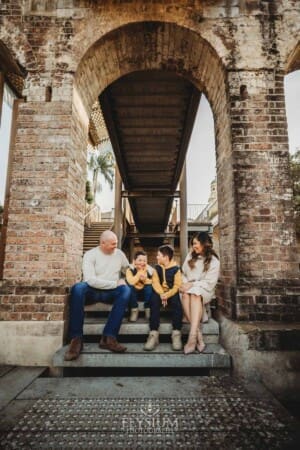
194 210
93 215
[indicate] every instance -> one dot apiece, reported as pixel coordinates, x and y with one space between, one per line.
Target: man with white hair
102 282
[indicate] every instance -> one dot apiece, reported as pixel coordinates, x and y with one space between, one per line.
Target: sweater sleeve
132 279
184 270
176 285
89 274
125 263
210 278
156 283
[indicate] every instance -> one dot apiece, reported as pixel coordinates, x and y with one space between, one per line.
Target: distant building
210 214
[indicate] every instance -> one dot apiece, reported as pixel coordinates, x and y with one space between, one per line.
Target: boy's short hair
166 250
139 253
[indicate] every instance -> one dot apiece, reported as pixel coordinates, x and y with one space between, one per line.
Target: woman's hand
185 287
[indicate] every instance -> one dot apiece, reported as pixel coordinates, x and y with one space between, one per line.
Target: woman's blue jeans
82 293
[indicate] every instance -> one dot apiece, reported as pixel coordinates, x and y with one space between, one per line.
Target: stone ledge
272 336
253 360
30 343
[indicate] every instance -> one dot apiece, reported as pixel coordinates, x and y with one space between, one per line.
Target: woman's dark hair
166 250
204 239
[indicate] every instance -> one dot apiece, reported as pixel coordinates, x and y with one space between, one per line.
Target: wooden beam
150 235
152 193
118 207
188 128
105 103
183 215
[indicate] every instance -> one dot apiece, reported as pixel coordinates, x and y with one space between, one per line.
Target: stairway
214 360
92 234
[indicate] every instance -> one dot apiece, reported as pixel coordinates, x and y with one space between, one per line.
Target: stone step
101 307
95 326
213 357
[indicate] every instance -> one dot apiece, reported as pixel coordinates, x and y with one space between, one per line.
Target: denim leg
77 301
176 308
147 291
133 302
155 303
121 297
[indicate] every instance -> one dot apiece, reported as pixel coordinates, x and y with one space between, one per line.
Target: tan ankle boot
176 340
134 313
190 346
152 341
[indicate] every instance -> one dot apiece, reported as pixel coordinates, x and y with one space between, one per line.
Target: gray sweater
103 271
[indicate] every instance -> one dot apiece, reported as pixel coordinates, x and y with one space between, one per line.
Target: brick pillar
267 268
45 225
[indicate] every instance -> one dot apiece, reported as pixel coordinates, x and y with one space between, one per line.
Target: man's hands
121 282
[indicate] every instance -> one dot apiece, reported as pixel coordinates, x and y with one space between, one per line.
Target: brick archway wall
293 60
165 46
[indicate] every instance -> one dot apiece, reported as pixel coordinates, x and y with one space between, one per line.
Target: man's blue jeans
81 292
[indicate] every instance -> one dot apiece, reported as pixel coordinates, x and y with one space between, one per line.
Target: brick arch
102 20
17 43
293 60
149 45
166 46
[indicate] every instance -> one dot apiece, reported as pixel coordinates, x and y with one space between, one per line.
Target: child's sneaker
176 340
152 341
147 313
134 313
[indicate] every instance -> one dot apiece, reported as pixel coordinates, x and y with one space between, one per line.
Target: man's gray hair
107 235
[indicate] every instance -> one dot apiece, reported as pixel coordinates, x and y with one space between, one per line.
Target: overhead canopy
149 117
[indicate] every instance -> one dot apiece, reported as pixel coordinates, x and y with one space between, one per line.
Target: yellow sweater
162 287
134 279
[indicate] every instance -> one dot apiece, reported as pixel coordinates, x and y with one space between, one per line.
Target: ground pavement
156 412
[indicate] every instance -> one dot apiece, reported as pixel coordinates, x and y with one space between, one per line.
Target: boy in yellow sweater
139 279
166 281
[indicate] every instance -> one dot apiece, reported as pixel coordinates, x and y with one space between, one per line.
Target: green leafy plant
102 161
88 193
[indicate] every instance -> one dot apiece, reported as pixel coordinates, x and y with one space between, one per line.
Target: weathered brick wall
235 51
266 246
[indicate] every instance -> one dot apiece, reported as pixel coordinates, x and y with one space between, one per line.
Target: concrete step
101 307
95 326
213 357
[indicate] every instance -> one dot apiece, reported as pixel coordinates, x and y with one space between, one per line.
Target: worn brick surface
236 52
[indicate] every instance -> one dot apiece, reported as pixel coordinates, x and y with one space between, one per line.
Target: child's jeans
176 310
140 295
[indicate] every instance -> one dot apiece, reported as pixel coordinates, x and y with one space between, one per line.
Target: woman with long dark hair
200 275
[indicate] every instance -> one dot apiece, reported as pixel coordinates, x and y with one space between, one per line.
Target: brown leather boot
74 349
111 343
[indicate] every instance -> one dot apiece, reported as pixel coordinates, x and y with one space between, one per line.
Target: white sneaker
134 313
176 340
152 341
147 313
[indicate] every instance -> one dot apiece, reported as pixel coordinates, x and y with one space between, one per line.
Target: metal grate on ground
202 423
